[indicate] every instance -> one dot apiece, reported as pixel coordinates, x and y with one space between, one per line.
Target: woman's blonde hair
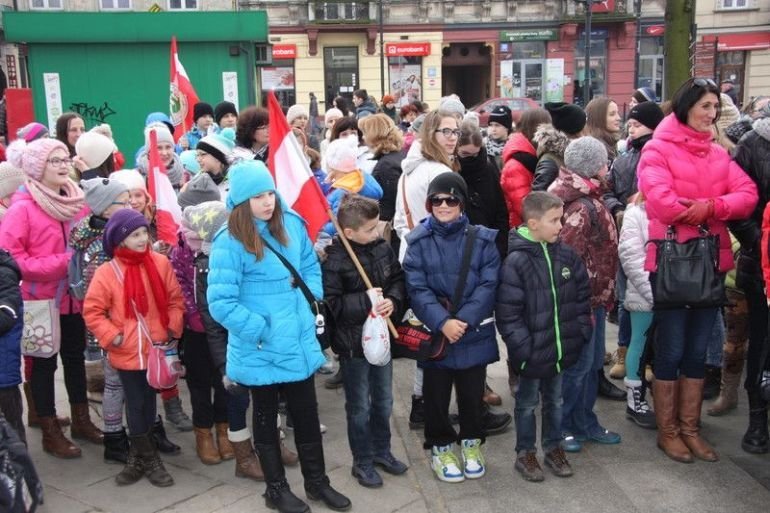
431 149
381 134
242 228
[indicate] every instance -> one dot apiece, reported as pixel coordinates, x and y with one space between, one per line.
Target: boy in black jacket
368 388
543 314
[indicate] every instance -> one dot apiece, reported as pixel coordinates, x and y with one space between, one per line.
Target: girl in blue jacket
432 264
272 342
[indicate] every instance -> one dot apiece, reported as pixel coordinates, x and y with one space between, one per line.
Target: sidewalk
631 477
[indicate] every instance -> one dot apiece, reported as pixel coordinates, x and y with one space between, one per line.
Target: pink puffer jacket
38 243
682 163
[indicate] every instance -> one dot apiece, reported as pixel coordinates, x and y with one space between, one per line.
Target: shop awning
741 41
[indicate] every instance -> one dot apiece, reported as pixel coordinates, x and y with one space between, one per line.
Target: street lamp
382 53
587 63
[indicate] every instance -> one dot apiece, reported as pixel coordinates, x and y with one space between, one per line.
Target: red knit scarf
133 286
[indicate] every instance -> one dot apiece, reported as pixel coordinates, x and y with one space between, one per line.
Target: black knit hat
647 113
448 183
566 117
502 116
201 109
223 108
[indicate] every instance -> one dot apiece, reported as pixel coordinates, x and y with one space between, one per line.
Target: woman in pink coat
35 231
688 180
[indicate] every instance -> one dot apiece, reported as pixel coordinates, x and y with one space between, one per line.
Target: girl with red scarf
121 314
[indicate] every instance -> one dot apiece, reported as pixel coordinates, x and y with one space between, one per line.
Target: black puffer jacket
622 179
551 144
345 291
525 313
215 333
387 171
11 321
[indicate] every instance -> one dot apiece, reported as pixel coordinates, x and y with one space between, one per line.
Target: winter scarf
175 170
62 207
495 146
134 292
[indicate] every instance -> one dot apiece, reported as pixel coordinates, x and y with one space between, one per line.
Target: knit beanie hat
502 116
728 113
248 178
644 94
190 162
161 131
131 178
159 117
333 113
452 105
202 109
32 131
199 189
296 111
388 99
585 156
94 149
205 219
647 113
447 183
11 178
32 157
101 193
120 226
223 108
342 155
761 126
566 117
220 146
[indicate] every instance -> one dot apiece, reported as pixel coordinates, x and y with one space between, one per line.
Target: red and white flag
293 177
183 97
168 214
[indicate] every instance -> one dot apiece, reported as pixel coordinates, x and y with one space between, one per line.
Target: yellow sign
155 8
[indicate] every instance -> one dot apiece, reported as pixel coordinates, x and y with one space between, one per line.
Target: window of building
598 68
340 73
405 79
331 11
183 5
115 4
736 4
45 4
651 64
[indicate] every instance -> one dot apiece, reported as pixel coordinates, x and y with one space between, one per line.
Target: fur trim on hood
550 140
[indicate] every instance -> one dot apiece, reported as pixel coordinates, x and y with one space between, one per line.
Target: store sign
407 49
284 52
529 35
603 6
655 30
278 79
601 33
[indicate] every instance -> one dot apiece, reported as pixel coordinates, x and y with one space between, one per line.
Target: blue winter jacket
11 321
432 265
371 189
271 330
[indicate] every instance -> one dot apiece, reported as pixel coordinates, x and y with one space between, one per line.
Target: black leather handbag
688 272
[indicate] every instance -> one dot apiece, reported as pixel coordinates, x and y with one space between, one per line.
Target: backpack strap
465 266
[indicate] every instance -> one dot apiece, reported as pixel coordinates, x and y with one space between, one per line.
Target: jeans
203 379
716 342
73 344
141 411
682 340
437 392
368 405
624 317
301 403
580 384
640 323
527 399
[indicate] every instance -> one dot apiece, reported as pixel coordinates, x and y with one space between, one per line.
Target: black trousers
141 410
756 356
73 344
301 403
437 393
12 409
202 378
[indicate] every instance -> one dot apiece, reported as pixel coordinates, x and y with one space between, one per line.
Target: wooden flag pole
357 263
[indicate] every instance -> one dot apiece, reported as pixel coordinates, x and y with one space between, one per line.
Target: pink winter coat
682 163
38 243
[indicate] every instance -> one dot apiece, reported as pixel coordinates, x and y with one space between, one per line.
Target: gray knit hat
205 219
199 189
101 193
585 156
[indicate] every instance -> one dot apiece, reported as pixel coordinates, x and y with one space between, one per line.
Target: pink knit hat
31 158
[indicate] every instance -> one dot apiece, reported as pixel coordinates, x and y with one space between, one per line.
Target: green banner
529 35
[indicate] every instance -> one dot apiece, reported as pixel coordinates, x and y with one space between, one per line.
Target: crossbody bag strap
465 266
298 281
140 319
409 221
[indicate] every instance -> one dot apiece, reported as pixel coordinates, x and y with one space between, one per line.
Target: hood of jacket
692 141
521 240
90 228
517 144
414 159
550 140
570 186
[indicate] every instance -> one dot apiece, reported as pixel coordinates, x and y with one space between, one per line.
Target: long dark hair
346 123
341 103
62 129
241 226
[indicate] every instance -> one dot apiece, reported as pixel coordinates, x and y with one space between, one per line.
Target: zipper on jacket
555 308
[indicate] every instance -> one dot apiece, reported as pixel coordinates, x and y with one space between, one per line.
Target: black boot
133 470
608 390
149 458
116 447
417 414
712 382
317 486
278 495
164 445
755 440
494 423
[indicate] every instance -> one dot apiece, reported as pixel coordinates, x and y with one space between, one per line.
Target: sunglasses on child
450 201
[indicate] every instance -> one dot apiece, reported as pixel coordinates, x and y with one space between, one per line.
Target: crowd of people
534 231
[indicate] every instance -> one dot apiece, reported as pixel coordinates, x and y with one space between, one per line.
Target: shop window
340 73
598 69
45 4
736 4
651 64
342 11
732 66
280 79
182 5
109 5
405 79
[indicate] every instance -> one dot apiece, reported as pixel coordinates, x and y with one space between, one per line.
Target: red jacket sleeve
516 182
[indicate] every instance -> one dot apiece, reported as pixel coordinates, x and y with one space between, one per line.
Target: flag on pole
168 214
293 177
183 97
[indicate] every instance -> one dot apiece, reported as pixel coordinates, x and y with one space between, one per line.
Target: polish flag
168 214
293 177
183 97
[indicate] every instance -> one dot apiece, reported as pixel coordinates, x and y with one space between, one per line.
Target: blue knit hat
248 179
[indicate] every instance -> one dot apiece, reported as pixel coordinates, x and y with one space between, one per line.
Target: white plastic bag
375 338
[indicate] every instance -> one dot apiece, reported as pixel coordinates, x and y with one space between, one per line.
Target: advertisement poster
278 79
405 83
53 108
554 76
230 87
510 82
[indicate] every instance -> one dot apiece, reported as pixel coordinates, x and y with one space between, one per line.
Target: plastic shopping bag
375 338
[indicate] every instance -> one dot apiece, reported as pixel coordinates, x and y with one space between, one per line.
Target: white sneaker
473 460
445 464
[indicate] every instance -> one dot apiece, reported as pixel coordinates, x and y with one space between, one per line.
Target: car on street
517 106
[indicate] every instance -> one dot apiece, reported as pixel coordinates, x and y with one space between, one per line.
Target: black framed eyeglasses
449 132
451 201
704 82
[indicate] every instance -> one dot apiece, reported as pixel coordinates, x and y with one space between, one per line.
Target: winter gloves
697 213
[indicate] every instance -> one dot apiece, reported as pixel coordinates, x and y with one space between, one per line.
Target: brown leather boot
618 369
226 451
246 462
728 395
690 399
669 441
54 441
204 446
32 419
491 397
82 427
288 457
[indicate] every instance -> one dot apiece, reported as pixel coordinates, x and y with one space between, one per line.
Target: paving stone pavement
631 477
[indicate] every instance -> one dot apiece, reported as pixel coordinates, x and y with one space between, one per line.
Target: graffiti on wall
93 114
